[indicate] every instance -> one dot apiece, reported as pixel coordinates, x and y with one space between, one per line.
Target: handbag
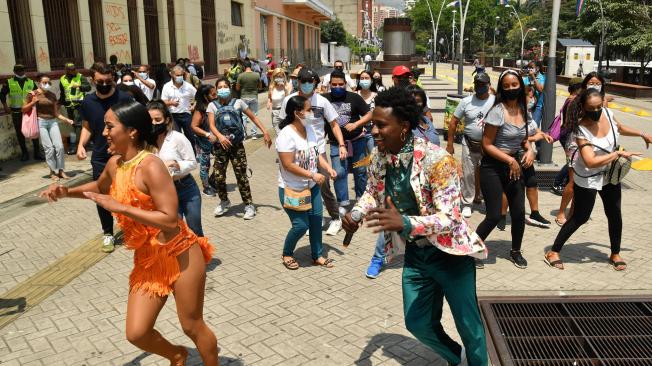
29 125
297 200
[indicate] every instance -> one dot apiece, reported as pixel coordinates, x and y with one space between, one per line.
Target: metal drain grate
569 331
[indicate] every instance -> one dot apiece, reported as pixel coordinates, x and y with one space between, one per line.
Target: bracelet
342 145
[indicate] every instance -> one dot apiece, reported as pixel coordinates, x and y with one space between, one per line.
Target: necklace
133 161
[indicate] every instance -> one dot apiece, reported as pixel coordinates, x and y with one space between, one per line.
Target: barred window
62 28
236 14
97 30
134 35
209 36
172 30
21 33
151 32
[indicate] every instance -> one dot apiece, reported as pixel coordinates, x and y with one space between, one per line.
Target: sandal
559 222
328 263
618 265
557 264
290 264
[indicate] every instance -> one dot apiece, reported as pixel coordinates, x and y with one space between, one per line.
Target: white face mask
307 118
597 87
279 81
128 83
46 86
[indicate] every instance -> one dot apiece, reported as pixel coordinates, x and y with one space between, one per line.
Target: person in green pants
413 195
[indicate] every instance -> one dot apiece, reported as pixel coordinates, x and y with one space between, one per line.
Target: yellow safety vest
17 95
71 97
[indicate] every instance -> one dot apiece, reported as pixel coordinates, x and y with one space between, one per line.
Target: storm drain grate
575 331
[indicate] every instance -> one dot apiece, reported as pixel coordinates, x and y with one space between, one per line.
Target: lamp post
523 41
542 43
601 37
453 48
435 28
521 25
493 54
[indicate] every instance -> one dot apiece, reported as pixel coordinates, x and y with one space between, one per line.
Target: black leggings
584 200
494 180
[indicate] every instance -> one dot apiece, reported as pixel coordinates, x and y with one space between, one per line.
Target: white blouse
178 148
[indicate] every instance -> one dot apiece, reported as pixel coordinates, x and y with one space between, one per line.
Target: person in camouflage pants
238 158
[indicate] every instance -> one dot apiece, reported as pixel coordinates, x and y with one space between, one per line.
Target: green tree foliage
333 31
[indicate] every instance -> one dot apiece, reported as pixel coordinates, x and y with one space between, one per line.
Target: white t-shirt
607 142
323 113
306 156
239 106
149 93
472 110
184 95
326 82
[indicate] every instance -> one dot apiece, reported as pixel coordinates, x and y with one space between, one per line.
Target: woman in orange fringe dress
137 187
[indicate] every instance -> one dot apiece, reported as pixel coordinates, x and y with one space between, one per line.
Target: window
588 57
97 29
172 30
209 39
21 33
576 56
236 14
134 37
62 28
151 32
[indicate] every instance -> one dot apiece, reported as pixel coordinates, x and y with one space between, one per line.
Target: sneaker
374 268
479 263
209 191
222 208
466 212
502 223
108 243
517 258
250 212
334 227
558 190
536 219
254 137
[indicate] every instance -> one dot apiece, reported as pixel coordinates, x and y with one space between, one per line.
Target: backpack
229 122
200 71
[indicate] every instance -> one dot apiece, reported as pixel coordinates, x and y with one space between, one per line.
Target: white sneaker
254 137
334 227
108 243
466 212
250 212
222 208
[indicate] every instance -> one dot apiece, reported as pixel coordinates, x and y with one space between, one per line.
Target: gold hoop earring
403 136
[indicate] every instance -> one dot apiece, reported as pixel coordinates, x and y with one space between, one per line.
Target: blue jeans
342 168
302 221
183 123
537 115
190 203
379 250
253 106
370 143
52 143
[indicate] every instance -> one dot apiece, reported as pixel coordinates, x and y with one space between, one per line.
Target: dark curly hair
404 106
591 75
294 104
581 103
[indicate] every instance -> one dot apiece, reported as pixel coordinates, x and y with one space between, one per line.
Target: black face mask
159 129
339 68
511 94
104 89
593 115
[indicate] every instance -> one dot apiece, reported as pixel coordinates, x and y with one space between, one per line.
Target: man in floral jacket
413 192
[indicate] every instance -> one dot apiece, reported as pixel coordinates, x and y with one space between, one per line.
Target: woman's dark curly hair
404 106
591 75
581 103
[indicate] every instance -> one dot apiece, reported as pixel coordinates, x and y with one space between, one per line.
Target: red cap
269 55
400 70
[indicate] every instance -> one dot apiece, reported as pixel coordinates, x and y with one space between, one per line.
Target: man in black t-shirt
353 113
92 111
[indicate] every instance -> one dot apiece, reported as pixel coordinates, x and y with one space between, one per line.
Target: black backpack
229 122
200 71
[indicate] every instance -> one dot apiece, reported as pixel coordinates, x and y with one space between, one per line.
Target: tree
333 31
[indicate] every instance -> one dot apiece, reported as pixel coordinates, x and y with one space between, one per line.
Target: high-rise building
408 4
356 15
382 12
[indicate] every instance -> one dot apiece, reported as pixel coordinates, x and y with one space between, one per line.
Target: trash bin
452 101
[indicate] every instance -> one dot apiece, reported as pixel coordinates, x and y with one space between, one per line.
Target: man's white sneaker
108 243
250 212
222 208
466 212
334 227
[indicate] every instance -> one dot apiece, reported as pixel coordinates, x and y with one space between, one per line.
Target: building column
188 25
40 36
164 31
7 56
143 35
88 55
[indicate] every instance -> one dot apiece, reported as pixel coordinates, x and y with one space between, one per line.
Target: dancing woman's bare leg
189 296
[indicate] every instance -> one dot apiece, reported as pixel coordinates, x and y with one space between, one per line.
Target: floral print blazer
436 184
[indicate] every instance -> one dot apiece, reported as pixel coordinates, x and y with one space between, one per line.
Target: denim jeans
189 203
183 123
537 115
342 168
379 250
302 221
253 106
52 143
106 218
370 143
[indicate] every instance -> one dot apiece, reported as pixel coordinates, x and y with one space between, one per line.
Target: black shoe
502 223
479 263
536 219
24 157
71 152
558 190
38 157
517 258
209 191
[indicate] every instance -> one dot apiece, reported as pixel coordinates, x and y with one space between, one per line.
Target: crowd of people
148 136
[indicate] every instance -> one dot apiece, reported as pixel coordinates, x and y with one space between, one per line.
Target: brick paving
266 315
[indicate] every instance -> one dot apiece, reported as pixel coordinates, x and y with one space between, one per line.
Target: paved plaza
262 313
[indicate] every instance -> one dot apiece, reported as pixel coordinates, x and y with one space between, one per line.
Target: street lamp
493 55
521 25
453 49
523 41
435 28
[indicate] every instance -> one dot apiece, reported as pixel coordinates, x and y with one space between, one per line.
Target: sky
398 4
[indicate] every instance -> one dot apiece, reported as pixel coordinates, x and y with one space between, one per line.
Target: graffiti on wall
8 142
193 53
42 56
116 24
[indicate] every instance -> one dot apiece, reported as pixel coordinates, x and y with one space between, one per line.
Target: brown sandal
557 264
328 263
290 264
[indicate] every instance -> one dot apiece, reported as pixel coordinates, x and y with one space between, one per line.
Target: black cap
19 68
482 77
306 74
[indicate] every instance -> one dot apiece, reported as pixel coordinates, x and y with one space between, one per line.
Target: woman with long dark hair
596 136
205 138
169 258
506 153
299 180
425 129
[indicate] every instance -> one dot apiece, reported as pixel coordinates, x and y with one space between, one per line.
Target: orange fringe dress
155 263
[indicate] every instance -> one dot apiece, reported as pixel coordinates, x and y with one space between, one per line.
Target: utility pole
493 53
550 107
453 47
601 37
460 66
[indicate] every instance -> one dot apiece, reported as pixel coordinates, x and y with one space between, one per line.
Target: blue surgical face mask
481 89
143 75
178 79
223 93
295 84
338 92
365 84
307 88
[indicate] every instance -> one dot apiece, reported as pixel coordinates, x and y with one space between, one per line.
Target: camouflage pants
238 158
